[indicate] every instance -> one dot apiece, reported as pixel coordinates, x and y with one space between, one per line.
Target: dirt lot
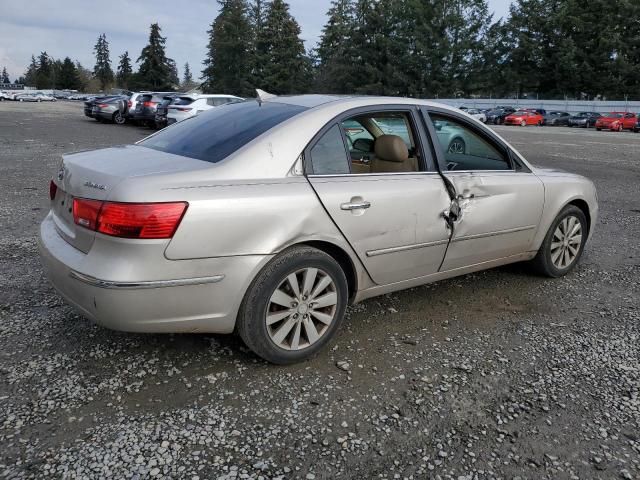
500 374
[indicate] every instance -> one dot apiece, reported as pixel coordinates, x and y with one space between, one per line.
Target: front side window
217 133
464 148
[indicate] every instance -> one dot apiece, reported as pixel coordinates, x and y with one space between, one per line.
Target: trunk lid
95 174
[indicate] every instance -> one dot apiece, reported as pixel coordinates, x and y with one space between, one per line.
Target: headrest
391 148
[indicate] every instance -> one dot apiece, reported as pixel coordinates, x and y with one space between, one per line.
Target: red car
616 121
524 118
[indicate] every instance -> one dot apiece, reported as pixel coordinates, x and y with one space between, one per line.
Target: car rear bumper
201 295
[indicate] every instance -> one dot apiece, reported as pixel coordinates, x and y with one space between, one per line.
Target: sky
71 27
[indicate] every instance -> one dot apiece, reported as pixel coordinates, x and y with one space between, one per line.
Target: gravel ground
495 375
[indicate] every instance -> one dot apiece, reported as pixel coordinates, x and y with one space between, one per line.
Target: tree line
419 48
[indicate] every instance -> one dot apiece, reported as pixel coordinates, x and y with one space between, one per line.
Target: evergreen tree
156 70
336 57
45 72
102 69
124 70
228 64
5 76
187 78
31 73
287 68
68 76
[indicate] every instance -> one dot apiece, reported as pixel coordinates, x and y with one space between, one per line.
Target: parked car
163 109
616 121
584 119
498 115
133 101
146 106
91 101
524 118
555 118
177 113
251 218
113 109
637 127
27 97
477 114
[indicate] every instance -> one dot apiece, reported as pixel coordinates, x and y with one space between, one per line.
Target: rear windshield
215 134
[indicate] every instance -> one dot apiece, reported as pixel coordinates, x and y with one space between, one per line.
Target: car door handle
355 205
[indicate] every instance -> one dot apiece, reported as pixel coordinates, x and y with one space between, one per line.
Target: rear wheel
294 306
564 243
119 118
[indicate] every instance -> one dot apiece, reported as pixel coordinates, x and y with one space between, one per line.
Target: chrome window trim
96 282
365 175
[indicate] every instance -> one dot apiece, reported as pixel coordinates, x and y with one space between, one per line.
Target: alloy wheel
301 309
119 118
566 242
457 146
523 123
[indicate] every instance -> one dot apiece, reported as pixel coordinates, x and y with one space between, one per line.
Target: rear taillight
53 189
149 104
102 105
129 220
85 212
183 109
129 103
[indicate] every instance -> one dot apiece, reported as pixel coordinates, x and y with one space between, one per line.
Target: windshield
612 115
217 133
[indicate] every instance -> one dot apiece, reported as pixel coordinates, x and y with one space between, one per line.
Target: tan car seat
392 155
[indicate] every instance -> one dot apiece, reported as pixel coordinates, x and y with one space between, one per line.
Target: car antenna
263 96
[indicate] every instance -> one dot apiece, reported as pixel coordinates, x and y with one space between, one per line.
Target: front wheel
523 123
294 306
564 243
457 146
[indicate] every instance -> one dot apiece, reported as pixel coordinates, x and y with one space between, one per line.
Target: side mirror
363 145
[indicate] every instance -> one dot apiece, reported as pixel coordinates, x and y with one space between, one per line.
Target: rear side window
217 101
215 134
328 155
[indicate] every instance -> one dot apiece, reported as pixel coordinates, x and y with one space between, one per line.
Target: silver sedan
267 218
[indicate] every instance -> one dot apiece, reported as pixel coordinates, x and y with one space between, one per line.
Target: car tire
563 236
598 129
285 334
457 146
119 118
523 123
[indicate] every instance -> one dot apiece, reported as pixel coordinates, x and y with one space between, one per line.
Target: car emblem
95 185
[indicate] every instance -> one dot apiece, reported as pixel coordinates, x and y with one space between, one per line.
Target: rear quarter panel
254 218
